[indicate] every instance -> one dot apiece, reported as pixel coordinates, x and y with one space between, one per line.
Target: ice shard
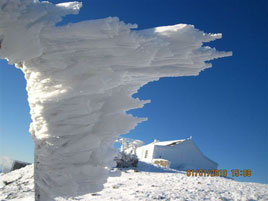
80 82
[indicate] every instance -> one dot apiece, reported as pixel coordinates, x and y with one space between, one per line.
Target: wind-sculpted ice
80 82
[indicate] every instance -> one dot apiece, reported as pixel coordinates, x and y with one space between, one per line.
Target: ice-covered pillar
80 81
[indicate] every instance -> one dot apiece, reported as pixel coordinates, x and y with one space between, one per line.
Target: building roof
168 143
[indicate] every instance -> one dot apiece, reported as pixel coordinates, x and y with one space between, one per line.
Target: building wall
185 155
141 151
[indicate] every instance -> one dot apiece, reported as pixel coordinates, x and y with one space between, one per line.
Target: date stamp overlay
218 173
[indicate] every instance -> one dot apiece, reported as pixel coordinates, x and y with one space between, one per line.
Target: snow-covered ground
148 183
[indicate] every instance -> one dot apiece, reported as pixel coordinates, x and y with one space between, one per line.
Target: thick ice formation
80 82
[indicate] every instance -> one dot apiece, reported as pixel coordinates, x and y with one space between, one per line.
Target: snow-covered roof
168 143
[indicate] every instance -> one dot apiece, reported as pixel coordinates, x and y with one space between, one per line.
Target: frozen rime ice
80 82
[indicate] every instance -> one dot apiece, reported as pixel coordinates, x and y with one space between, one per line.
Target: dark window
146 154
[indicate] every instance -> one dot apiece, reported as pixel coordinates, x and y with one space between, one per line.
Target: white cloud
5 163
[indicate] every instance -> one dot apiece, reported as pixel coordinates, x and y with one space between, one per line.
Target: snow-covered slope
152 184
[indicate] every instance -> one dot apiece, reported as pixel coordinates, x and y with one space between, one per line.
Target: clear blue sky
225 109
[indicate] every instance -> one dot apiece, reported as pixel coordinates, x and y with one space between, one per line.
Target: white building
181 154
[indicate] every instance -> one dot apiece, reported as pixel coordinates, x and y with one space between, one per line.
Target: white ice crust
80 82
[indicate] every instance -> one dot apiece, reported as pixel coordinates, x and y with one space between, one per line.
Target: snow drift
80 82
150 183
